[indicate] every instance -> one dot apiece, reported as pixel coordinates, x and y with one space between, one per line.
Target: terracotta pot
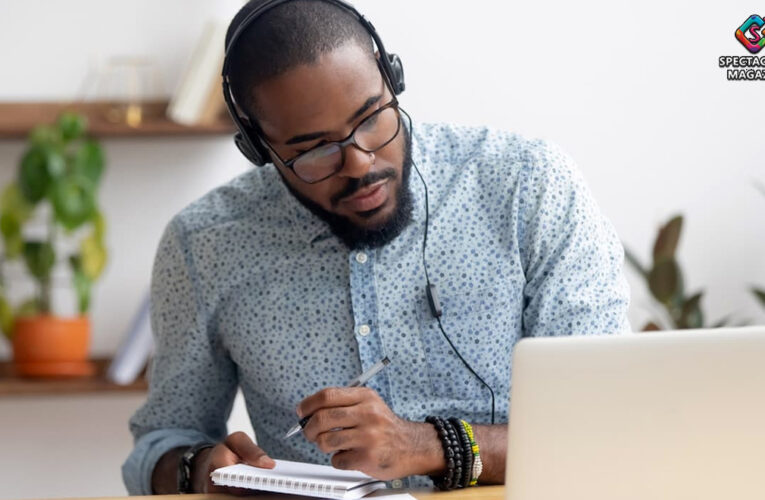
49 346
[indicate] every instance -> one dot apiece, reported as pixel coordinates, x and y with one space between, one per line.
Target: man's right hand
237 448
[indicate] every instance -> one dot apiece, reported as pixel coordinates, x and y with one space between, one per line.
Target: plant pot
50 346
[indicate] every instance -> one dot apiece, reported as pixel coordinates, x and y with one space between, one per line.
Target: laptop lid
662 415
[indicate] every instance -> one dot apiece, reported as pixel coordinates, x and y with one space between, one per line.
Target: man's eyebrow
305 137
363 109
316 135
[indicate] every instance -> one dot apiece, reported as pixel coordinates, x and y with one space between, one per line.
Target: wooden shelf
14 385
18 118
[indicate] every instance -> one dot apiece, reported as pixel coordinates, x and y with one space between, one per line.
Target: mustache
355 184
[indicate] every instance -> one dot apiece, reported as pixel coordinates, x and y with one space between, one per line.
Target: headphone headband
248 138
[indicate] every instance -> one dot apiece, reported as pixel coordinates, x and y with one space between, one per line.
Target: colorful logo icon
751 34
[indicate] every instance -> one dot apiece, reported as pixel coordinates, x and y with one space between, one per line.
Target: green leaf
14 211
6 317
668 239
45 135
93 255
14 245
635 263
82 284
34 177
74 202
89 161
691 316
71 125
724 321
13 202
10 227
663 280
99 225
760 294
40 258
55 164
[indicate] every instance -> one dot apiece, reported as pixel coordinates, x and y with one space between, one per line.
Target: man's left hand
364 434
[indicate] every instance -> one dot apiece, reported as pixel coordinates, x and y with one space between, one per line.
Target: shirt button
361 258
396 483
364 330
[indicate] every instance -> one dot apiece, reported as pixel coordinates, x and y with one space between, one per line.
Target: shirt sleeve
193 380
571 255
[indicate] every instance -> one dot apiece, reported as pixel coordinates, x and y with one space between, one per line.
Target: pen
358 381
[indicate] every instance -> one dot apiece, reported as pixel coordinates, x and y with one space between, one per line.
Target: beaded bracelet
452 454
456 452
461 470
467 452
477 463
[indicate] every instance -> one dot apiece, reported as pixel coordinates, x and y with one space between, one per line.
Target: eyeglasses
371 134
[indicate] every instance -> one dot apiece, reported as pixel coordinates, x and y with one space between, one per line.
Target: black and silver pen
357 382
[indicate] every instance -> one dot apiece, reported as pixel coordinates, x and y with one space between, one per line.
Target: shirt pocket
483 324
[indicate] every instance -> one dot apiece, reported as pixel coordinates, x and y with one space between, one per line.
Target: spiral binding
285 484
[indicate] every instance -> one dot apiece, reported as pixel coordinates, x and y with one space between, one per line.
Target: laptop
676 415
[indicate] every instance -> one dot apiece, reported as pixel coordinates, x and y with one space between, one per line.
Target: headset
251 142
249 139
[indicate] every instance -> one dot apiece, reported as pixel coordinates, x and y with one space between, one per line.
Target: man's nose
357 163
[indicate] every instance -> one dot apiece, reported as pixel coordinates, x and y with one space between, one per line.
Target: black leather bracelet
184 467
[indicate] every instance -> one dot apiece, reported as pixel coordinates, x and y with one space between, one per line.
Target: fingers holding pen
333 397
326 419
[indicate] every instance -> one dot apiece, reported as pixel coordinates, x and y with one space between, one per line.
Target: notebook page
296 477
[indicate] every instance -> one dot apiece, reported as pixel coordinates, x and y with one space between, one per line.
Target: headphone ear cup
398 73
249 150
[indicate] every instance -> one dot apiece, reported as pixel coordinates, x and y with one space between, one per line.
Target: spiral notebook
313 480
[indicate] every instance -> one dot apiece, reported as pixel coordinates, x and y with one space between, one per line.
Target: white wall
630 88
70 446
46 49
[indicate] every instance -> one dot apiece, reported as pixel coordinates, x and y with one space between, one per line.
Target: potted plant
665 282
57 179
759 293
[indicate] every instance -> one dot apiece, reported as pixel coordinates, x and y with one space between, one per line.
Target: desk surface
479 493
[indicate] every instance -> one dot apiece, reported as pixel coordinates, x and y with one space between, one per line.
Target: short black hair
288 35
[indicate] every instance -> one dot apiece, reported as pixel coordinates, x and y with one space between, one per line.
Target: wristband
477 463
467 451
454 473
184 467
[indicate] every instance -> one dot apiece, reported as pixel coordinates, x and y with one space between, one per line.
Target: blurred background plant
664 279
759 292
60 168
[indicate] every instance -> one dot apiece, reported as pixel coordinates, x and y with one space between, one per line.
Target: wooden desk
479 493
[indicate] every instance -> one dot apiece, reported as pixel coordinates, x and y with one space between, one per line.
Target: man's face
312 104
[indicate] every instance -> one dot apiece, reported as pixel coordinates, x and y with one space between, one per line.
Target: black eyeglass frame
342 144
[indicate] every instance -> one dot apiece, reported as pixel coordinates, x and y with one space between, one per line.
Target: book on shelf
135 350
198 99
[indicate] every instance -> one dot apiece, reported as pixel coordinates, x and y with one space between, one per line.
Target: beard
356 237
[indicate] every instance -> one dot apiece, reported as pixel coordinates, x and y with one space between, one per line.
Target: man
296 277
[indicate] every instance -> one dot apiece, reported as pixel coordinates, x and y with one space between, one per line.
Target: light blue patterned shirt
250 289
